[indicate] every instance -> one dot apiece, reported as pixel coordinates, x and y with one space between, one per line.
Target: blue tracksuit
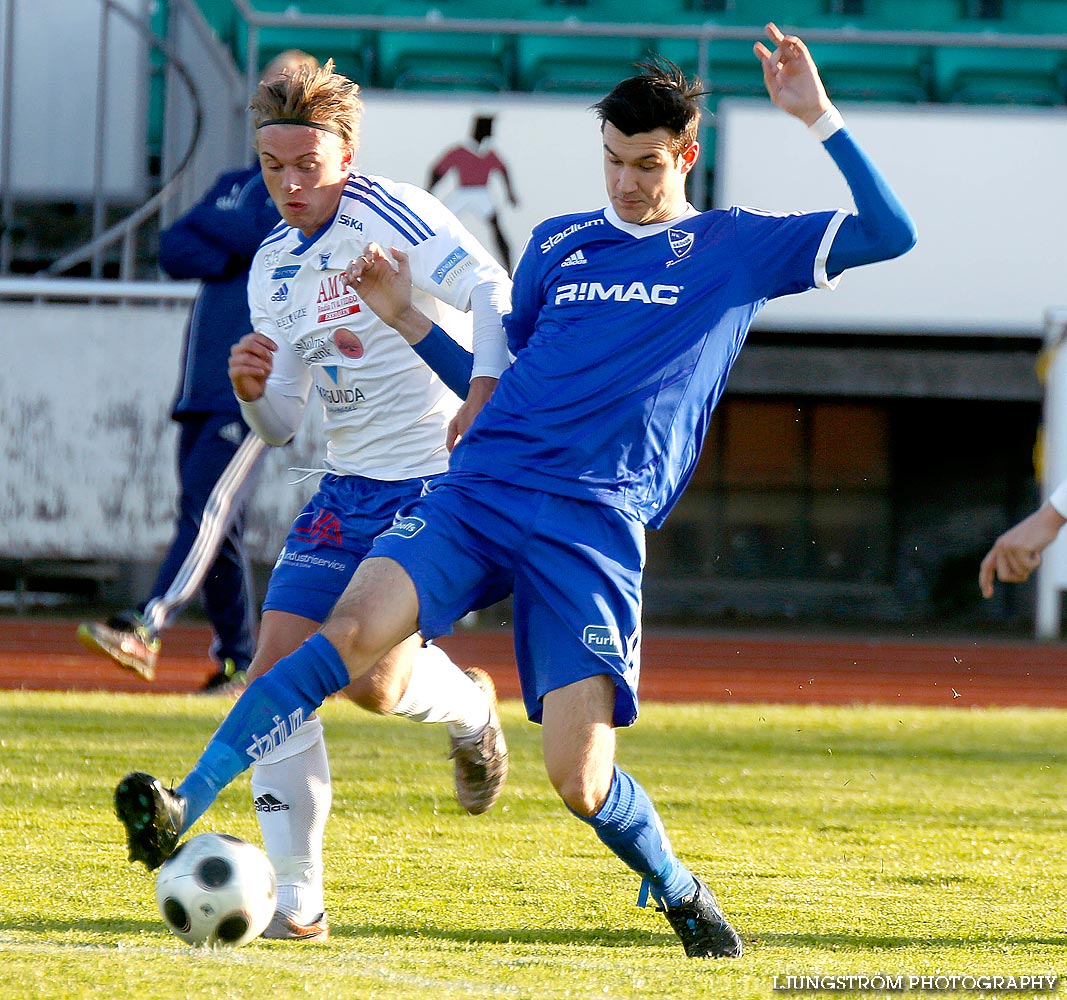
214 242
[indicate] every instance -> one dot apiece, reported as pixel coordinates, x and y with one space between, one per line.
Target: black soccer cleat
703 929
153 816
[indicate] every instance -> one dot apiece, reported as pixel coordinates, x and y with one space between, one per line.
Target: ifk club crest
681 242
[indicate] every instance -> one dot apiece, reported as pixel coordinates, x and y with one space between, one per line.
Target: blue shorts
329 539
574 567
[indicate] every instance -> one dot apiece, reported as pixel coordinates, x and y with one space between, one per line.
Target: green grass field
840 841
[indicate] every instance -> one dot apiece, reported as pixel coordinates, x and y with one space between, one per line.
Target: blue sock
630 826
268 712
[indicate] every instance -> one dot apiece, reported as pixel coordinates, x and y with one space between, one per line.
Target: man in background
218 456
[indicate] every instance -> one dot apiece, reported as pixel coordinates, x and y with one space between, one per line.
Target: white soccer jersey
385 411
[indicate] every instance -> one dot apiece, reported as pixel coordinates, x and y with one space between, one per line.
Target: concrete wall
88 449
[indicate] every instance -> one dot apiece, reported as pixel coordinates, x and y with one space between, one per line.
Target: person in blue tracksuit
218 456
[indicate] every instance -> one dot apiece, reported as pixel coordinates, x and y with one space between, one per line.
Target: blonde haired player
388 419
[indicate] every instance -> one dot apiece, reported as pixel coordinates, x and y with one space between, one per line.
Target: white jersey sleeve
277 414
1058 499
453 267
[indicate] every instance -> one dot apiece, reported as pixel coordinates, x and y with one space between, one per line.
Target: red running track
43 654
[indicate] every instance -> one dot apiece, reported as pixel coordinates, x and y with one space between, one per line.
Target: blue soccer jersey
636 329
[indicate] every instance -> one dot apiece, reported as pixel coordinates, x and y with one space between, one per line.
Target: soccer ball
217 890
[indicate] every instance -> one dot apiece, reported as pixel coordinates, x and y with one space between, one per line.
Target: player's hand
251 362
1017 553
382 281
478 394
791 77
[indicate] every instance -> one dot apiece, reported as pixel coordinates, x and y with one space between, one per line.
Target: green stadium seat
351 51
576 64
913 15
683 52
443 61
1002 76
793 12
733 70
222 18
1041 16
864 72
851 72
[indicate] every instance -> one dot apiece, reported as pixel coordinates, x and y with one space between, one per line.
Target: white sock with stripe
440 692
292 793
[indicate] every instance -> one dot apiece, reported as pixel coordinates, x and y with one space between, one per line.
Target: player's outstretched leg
153 816
701 926
481 761
270 710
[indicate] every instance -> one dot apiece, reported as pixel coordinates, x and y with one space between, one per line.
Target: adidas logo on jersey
575 258
281 294
268 803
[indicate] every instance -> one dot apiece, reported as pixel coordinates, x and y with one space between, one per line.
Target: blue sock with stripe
630 826
268 712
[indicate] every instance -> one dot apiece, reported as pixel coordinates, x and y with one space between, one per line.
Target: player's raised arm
791 77
881 228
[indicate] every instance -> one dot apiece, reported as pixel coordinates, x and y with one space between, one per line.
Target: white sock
292 793
440 692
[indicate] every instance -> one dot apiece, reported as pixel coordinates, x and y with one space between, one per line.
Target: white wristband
826 124
1058 499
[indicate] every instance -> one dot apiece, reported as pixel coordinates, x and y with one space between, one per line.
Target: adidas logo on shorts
575 258
268 803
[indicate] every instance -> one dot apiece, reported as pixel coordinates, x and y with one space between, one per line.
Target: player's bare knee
346 633
580 795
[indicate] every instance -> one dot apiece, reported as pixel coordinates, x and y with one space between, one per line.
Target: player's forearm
450 360
1048 522
490 302
273 416
881 228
